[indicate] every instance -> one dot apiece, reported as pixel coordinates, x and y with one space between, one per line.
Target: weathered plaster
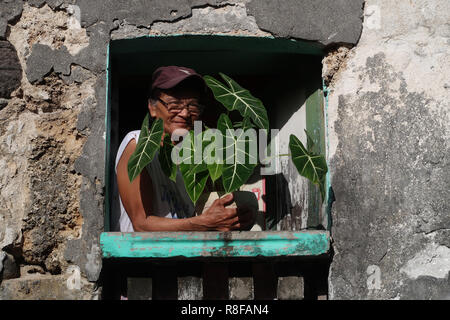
40 143
230 20
52 132
433 261
48 287
322 21
389 156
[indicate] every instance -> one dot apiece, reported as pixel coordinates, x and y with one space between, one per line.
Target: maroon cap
168 77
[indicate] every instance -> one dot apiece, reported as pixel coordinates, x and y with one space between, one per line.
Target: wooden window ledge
246 244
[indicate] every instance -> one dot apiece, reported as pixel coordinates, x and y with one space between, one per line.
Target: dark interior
272 69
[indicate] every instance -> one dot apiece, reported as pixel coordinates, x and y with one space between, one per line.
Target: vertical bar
215 281
315 126
107 142
113 281
329 190
165 283
113 191
264 281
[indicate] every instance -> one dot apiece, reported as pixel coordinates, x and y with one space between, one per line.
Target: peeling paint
213 244
231 19
74 280
433 261
93 264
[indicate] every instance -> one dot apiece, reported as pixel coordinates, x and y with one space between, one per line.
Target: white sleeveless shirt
170 198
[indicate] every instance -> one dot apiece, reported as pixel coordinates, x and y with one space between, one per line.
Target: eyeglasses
194 108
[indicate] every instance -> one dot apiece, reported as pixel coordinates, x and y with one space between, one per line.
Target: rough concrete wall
52 120
39 144
322 21
389 124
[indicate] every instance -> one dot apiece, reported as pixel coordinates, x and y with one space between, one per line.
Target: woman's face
181 119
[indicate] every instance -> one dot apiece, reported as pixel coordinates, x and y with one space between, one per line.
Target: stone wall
389 155
387 121
41 137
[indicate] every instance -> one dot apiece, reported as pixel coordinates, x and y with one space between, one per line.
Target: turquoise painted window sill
245 244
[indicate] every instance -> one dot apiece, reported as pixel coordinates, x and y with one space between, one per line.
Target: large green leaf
215 171
239 163
147 146
234 97
165 160
194 174
191 151
214 168
213 153
309 165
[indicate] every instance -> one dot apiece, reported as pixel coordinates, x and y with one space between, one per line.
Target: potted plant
223 156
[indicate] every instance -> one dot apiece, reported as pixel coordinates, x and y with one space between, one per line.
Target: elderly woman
153 202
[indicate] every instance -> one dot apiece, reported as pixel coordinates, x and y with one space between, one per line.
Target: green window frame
218 244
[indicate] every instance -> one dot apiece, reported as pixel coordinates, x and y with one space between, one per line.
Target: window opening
284 74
